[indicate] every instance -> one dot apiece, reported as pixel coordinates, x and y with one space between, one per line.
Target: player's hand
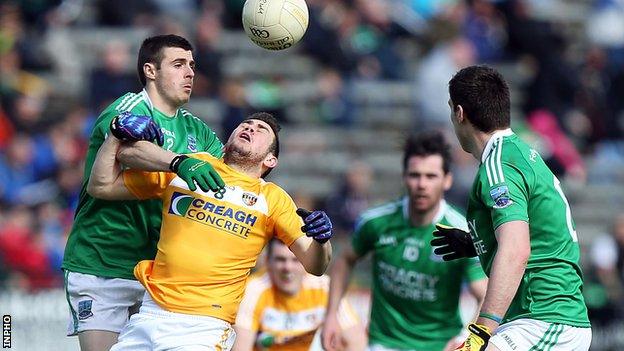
478 338
330 334
316 225
195 171
452 243
130 127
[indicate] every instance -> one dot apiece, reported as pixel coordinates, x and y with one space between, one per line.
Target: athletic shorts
534 335
154 328
97 303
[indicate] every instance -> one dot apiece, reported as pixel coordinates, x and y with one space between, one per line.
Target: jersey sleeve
287 224
147 185
507 198
473 270
364 236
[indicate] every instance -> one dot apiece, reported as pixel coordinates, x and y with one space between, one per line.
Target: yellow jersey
292 320
210 241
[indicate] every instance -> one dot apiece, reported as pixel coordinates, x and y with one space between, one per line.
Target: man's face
460 131
174 79
285 270
252 138
425 181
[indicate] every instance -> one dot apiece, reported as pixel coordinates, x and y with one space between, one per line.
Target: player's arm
313 255
245 339
106 180
314 249
340 276
145 156
514 249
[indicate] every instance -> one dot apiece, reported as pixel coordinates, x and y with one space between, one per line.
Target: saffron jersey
209 241
291 320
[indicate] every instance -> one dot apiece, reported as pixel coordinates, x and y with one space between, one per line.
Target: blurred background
367 73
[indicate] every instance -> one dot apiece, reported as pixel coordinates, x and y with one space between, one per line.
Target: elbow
97 191
317 271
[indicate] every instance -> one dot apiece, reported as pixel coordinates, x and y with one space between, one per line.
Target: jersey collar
490 144
436 219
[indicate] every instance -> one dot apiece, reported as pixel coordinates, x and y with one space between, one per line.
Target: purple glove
130 127
317 225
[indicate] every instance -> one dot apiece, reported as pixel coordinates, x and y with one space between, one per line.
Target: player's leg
94 340
99 308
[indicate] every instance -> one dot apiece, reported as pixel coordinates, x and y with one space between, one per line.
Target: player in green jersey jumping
520 227
415 294
108 238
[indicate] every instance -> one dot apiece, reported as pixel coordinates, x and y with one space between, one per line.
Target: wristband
175 163
492 317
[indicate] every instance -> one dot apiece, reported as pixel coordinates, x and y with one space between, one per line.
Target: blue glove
317 225
130 127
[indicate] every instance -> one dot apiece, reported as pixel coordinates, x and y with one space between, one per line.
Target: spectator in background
209 72
113 78
442 61
607 260
351 198
24 252
334 104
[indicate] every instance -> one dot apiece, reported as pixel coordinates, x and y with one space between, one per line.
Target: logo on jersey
84 309
192 143
250 199
501 198
179 203
207 212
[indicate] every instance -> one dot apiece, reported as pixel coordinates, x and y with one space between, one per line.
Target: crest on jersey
501 197
192 143
250 199
84 309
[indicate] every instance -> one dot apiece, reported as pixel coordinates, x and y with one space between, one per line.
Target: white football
275 24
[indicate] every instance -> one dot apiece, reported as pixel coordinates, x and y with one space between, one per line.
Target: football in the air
275 24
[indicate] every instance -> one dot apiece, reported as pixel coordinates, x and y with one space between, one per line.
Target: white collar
436 219
147 99
490 144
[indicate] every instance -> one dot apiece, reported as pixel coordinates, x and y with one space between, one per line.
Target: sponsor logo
226 219
84 309
533 155
192 143
501 198
250 199
387 240
259 32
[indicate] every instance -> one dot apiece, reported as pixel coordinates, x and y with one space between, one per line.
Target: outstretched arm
145 156
313 255
340 275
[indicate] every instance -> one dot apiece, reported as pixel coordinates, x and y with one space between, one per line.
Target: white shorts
97 303
534 335
154 328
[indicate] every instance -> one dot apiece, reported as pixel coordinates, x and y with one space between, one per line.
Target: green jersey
415 294
514 184
108 238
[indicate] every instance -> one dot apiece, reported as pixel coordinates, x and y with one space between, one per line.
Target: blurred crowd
568 91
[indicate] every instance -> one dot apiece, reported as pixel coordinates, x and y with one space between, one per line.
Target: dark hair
484 95
269 246
151 51
275 127
427 144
